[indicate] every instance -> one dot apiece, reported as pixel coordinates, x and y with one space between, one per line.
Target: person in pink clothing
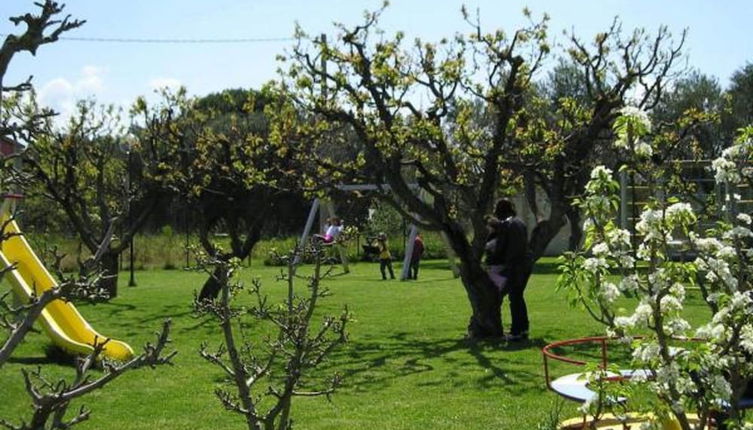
333 230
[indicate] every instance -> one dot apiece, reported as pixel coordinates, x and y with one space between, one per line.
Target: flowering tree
706 376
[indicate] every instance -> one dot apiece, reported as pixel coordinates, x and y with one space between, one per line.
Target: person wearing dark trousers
415 258
385 258
512 253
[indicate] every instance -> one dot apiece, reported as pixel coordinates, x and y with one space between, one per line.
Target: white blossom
594 264
678 290
670 303
650 224
706 244
744 218
712 332
638 115
601 249
726 253
643 149
738 232
625 260
646 353
618 237
677 326
629 283
678 212
746 338
601 173
624 322
610 292
643 314
739 301
725 170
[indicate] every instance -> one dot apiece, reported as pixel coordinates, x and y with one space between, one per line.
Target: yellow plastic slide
60 320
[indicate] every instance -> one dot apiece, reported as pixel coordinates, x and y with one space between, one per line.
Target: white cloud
160 83
61 94
91 81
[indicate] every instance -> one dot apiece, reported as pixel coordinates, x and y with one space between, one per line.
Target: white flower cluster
595 265
643 149
725 171
610 292
746 338
737 233
680 213
717 270
638 116
601 173
730 167
633 123
712 331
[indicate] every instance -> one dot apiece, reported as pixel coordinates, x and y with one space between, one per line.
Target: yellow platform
609 422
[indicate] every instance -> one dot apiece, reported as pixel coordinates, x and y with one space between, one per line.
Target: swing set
326 210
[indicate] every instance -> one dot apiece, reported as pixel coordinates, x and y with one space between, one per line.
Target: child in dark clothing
415 258
495 267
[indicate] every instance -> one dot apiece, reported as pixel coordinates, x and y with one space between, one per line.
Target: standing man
517 263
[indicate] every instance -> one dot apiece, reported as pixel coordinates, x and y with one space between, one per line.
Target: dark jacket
512 245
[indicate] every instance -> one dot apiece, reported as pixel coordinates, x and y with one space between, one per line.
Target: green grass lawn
406 365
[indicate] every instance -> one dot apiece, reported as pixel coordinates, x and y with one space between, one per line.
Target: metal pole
409 243
624 199
132 280
306 230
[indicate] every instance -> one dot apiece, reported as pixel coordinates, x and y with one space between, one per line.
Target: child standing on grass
385 258
415 259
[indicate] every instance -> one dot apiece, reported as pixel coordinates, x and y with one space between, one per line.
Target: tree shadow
168 311
53 354
546 268
116 308
367 365
32 361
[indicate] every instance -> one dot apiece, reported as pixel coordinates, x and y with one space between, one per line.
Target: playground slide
60 320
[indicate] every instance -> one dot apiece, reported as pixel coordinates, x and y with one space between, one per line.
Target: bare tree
278 367
40 30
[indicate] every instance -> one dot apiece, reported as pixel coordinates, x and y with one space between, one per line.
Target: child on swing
333 230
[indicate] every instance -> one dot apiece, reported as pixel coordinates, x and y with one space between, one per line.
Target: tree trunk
544 232
576 229
211 288
485 299
109 281
486 303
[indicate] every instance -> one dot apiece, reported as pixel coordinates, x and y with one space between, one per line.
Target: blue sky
717 44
